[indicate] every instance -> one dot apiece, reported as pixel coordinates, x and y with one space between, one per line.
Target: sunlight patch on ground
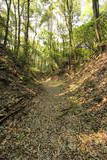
98 107
76 85
92 142
53 83
48 80
62 94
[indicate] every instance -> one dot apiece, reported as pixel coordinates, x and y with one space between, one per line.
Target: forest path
43 133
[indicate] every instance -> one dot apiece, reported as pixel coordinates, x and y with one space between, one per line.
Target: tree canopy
50 35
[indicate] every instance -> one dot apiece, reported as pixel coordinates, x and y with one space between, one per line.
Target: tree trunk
97 22
70 19
7 21
19 27
15 37
27 31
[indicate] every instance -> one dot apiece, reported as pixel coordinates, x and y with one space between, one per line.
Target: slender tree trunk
27 31
27 25
96 16
68 13
15 37
19 27
70 19
63 42
33 44
7 21
20 12
70 50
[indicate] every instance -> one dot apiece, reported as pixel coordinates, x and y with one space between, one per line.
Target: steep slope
14 91
87 92
89 87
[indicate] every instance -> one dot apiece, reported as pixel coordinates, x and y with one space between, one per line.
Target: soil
52 128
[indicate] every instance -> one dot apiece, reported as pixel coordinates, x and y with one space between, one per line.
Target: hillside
16 89
87 92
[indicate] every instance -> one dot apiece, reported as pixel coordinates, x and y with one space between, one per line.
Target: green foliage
49 34
2 27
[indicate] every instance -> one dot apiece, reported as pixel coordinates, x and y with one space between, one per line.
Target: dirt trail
51 130
39 134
